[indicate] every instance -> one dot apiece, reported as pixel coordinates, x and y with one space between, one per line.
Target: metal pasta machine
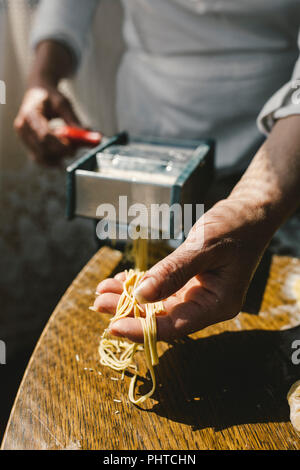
128 182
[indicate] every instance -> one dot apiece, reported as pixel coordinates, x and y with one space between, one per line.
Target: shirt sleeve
285 102
66 21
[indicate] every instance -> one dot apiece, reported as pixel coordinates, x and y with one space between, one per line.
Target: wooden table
222 388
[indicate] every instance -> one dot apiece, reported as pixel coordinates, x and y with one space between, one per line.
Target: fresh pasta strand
140 253
118 354
149 330
145 252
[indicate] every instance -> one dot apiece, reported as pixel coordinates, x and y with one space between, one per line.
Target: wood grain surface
222 388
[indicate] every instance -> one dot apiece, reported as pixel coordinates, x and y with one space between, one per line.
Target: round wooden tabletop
222 388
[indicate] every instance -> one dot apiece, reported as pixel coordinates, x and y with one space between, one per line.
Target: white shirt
196 68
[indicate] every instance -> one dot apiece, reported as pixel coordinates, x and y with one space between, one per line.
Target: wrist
248 223
42 79
262 213
52 63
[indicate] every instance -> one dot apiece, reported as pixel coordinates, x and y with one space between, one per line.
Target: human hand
201 283
40 104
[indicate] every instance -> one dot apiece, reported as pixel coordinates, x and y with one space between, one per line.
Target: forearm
52 62
269 191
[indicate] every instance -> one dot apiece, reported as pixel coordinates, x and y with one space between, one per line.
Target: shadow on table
227 379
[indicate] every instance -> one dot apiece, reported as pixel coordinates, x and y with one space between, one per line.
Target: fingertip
107 303
130 328
120 277
109 285
147 291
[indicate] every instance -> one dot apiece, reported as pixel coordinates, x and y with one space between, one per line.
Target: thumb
170 274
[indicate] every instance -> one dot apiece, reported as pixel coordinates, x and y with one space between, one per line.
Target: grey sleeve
285 102
66 21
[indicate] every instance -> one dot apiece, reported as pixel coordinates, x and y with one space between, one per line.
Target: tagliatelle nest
119 354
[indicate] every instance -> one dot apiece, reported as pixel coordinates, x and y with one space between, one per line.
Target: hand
40 104
202 283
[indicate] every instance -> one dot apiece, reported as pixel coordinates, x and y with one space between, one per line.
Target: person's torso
204 68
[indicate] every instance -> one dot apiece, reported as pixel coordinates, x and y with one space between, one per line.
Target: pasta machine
143 172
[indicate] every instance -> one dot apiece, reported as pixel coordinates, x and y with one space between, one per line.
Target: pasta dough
118 354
